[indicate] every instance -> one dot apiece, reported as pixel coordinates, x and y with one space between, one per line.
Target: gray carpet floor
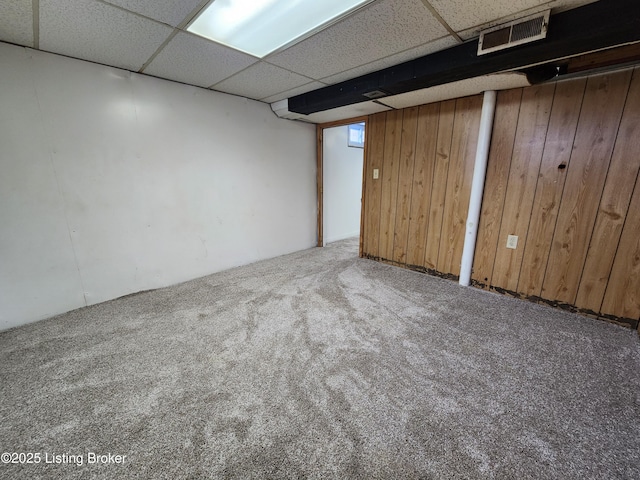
321 365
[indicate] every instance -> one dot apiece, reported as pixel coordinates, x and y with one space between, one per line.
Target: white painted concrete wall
342 185
113 182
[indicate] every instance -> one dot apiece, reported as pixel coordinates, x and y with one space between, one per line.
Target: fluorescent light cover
258 27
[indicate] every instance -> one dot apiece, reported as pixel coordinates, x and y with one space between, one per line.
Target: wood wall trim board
425 156
563 122
604 100
405 184
390 171
463 151
614 204
320 173
498 168
604 58
439 188
346 121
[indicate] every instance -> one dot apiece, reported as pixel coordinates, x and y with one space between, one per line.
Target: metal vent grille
528 29
497 38
520 31
375 94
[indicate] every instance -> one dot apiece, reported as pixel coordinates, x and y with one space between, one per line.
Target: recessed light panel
259 27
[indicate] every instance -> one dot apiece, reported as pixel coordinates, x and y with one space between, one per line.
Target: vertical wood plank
439 187
582 232
426 143
366 192
463 151
365 153
593 145
498 166
405 183
555 160
525 166
614 204
373 187
390 169
622 297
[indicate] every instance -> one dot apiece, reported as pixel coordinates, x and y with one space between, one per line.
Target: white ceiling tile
98 32
261 80
16 22
462 15
562 5
295 91
380 35
165 11
384 28
342 113
393 60
191 59
557 6
462 88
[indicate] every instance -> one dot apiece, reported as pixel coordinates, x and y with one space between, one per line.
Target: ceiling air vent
523 30
375 94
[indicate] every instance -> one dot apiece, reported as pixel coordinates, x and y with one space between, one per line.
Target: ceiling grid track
160 48
177 29
408 50
131 12
35 7
435 13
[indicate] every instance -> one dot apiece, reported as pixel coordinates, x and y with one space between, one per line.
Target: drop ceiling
150 37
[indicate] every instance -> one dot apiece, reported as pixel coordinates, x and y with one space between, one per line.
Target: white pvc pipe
477 186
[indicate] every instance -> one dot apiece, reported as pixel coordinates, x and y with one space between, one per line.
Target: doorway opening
341 156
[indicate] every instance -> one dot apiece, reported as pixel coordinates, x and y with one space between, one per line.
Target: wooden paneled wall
415 212
562 176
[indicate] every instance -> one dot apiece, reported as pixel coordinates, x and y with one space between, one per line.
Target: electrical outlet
376 173
512 241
